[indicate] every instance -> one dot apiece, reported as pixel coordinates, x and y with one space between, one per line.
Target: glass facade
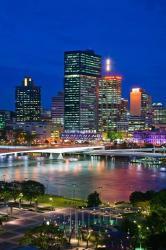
82 69
28 101
109 104
57 110
159 114
146 109
136 123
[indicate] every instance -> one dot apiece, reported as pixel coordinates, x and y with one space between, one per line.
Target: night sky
35 33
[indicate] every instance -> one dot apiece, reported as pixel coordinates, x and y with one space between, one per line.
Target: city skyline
138 56
105 72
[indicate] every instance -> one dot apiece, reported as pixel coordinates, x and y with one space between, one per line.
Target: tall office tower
122 124
141 105
28 101
109 102
140 102
57 110
124 108
135 101
159 115
82 69
6 118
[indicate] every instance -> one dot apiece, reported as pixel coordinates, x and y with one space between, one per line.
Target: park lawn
58 201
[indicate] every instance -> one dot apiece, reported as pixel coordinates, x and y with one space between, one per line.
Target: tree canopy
32 189
138 196
93 200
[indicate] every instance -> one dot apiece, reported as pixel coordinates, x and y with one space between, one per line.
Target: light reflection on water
118 178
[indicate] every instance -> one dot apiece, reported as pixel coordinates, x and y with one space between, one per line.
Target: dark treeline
28 190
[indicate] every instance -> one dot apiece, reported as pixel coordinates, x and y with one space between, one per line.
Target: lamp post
20 197
36 201
139 234
46 180
51 200
82 216
75 211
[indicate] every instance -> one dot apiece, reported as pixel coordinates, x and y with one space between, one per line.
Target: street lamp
47 223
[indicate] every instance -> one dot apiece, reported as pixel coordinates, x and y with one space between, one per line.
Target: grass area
57 201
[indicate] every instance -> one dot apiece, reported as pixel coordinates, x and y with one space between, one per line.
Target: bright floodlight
108 65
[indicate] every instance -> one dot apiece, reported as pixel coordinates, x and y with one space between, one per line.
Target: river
113 179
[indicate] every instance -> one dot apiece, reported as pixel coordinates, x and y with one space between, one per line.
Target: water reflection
117 177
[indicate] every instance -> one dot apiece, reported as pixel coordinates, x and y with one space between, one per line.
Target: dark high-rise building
159 115
122 124
109 102
6 118
2 121
81 73
57 110
28 101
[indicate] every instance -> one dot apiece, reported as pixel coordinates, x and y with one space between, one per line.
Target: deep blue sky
35 33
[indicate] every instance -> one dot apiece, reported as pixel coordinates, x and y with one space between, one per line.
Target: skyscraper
135 101
140 102
82 69
141 105
28 101
109 102
57 110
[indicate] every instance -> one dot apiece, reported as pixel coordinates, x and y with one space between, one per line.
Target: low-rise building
155 137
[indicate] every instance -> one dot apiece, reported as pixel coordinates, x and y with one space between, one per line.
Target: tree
30 138
156 241
93 200
15 189
114 135
5 193
19 137
3 137
32 189
159 199
138 196
45 237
